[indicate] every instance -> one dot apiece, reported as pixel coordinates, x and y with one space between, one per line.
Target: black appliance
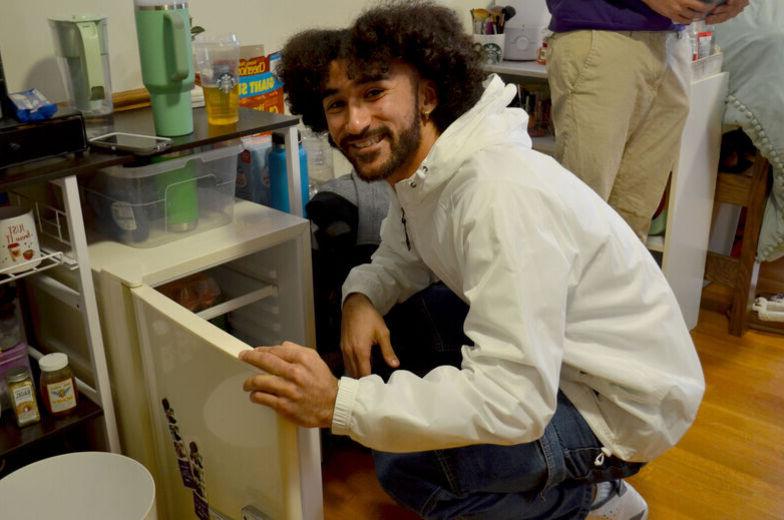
23 142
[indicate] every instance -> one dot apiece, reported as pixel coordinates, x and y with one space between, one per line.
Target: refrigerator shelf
240 290
236 303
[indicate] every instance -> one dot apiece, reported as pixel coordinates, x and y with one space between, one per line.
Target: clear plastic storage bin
150 205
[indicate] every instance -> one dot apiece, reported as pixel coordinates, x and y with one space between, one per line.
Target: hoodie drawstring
405 229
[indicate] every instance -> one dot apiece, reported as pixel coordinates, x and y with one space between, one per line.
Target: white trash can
79 486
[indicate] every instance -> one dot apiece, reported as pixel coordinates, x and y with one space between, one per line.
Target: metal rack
51 223
43 262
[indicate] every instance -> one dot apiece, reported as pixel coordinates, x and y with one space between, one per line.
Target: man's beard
401 150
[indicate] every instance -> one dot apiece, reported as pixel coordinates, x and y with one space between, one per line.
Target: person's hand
724 12
361 328
680 11
297 383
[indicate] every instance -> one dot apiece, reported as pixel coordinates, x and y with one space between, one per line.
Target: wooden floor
730 465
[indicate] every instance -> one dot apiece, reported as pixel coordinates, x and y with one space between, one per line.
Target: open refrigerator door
219 455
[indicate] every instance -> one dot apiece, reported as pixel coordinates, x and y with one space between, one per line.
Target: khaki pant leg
600 88
652 149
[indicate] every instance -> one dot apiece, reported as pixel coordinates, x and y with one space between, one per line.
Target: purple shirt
610 15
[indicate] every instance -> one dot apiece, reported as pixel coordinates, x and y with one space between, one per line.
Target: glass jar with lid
22 393
58 387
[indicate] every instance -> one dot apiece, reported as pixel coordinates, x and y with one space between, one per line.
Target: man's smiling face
374 120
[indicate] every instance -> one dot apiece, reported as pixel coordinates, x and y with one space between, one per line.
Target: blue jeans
549 478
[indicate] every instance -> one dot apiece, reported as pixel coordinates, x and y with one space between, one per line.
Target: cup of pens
488 32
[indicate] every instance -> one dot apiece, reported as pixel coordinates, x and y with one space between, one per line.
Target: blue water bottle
279 187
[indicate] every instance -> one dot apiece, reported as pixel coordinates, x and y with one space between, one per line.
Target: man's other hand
361 328
680 11
724 12
297 383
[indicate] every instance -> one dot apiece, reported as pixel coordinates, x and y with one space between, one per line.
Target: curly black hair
421 33
304 70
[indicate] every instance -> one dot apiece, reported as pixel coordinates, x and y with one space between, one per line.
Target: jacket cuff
357 284
341 417
353 286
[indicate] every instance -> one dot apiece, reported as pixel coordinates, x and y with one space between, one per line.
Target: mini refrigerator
176 379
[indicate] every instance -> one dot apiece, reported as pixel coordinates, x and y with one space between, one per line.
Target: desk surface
140 122
521 69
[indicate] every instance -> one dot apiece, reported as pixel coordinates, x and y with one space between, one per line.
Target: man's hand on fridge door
296 383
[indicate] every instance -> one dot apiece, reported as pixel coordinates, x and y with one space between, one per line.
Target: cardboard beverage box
260 88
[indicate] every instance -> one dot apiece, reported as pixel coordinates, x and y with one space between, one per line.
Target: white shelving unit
685 243
66 246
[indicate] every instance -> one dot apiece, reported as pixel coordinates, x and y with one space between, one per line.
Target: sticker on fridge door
200 507
183 461
197 467
189 461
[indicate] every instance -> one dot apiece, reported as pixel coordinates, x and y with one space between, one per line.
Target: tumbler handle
176 24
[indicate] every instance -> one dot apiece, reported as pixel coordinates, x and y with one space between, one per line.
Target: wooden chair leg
748 267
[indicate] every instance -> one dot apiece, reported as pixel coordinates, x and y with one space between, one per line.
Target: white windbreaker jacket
562 294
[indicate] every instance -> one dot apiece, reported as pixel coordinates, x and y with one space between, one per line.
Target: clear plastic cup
217 60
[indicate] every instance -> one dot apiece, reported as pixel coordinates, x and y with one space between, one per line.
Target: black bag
335 252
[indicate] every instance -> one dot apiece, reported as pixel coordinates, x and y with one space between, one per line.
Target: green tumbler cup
163 30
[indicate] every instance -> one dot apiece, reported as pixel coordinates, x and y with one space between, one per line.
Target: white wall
26 42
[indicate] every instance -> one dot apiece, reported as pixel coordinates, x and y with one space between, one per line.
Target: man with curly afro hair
577 366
